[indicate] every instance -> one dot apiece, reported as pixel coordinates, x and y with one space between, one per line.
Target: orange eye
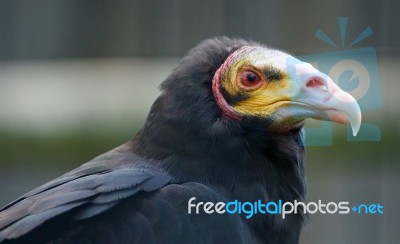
249 79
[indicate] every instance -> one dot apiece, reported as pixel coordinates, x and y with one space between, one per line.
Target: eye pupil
249 80
251 77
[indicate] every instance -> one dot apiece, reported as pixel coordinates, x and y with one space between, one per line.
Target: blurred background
78 77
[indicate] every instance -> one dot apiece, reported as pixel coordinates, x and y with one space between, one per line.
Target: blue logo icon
355 71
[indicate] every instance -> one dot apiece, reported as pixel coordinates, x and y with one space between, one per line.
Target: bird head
258 82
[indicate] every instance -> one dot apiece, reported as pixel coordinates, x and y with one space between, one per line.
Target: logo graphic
249 209
354 71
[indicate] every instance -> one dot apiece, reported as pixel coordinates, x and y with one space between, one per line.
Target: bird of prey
228 126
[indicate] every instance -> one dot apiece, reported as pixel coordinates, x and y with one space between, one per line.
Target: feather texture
98 192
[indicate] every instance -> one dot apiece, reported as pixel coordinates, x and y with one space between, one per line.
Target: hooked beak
314 95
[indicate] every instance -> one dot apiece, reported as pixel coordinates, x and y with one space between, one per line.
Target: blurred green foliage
76 147
67 149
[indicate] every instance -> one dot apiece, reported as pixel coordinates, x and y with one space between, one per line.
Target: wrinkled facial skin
261 82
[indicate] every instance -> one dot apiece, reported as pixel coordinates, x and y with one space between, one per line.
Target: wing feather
94 191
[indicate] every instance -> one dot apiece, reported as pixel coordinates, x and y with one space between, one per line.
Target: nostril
317 83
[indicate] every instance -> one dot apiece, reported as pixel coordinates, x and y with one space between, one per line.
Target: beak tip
355 131
356 124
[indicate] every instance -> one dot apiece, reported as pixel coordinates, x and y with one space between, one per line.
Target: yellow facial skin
263 100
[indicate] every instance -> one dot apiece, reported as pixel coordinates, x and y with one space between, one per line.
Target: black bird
227 126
